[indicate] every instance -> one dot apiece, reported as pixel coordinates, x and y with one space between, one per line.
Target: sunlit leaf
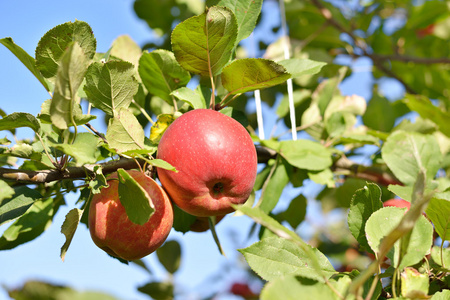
298 67
84 149
438 211
124 132
111 86
290 287
20 119
246 12
14 207
306 154
193 98
414 284
70 74
249 74
161 74
160 126
69 227
273 187
406 152
26 59
54 43
203 44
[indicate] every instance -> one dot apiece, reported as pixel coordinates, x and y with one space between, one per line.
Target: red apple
216 162
243 290
397 203
113 232
201 224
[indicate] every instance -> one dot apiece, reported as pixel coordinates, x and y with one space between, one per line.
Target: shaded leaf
124 132
111 86
441 257
364 203
158 290
203 44
159 163
249 74
169 255
161 73
77 113
99 181
69 227
54 43
37 218
134 198
26 59
15 207
6 192
296 211
273 187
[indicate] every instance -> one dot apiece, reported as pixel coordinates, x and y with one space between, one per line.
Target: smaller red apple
201 224
243 290
113 232
397 203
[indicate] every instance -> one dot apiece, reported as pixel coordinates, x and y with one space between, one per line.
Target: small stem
372 287
89 126
394 283
45 150
442 254
144 112
212 222
213 90
229 101
331 286
175 106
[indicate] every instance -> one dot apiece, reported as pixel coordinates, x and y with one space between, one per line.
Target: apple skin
397 203
216 162
113 232
201 224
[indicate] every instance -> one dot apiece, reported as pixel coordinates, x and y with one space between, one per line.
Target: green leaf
203 44
236 114
414 284
69 227
158 290
134 198
124 132
99 181
159 163
79 118
20 119
161 73
438 211
427 110
383 221
319 266
443 295
273 187
274 257
25 58
84 149
193 98
70 75
441 258
249 74
15 207
364 203
126 49
182 221
111 86
54 43
169 255
6 192
406 152
37 218
379 106
306 154
246 12
296 211
325 177
290 287
299 67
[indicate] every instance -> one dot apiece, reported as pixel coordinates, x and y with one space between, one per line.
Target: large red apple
216 162
112 231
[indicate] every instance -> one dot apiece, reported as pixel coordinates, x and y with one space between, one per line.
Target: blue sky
86 266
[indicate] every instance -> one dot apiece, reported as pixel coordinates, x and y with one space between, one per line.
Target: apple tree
360 152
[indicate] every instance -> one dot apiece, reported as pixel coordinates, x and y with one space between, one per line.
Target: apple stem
212 222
